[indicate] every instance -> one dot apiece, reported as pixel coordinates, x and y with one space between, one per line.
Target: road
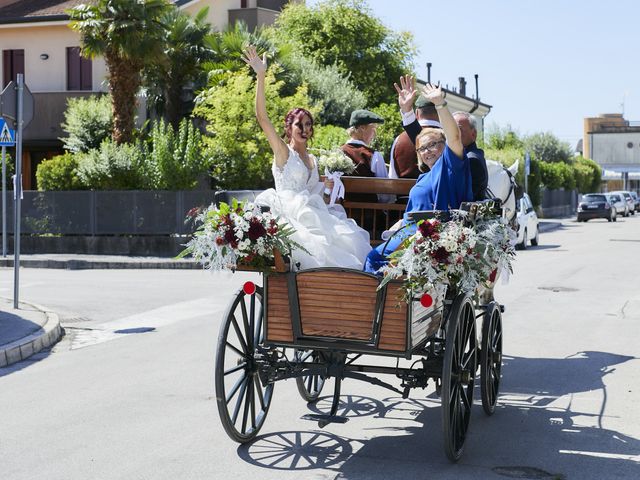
140 404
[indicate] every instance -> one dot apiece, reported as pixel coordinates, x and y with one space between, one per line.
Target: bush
551 175
326 137
588 175
389 130
59 173
111 167
87 122
240 153
546 147
328 86
173 160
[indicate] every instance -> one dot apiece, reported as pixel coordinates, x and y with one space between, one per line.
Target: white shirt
407 119
378 168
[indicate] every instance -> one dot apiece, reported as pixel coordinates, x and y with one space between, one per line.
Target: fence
559 203
128 212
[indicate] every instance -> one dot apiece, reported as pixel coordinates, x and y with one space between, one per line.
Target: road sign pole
4 201
18 195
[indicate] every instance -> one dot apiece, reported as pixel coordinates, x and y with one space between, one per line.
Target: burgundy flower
429 229
492 275
256 230
441 255
219 241
230 237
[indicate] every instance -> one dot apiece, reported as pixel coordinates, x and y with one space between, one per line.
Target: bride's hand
252 59
328 184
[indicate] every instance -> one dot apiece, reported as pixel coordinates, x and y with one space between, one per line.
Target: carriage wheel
491 357
309 386
458 374
243 402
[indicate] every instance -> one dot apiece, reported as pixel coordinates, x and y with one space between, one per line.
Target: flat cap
364 117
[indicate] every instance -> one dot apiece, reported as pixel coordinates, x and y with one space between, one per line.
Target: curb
549 226
100 264
44 337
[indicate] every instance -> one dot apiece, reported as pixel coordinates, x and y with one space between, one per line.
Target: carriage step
324 420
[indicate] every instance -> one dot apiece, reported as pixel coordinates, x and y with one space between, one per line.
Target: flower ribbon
338 186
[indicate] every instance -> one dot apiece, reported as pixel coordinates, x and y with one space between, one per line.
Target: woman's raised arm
451 131
259 65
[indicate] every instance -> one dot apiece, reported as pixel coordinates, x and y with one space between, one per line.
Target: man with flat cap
404 160
369 163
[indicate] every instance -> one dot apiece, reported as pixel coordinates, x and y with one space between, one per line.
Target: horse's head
502 185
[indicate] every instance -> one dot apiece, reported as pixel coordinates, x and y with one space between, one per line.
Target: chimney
477 92
463 86
428 72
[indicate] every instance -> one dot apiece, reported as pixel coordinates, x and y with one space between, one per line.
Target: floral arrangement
239 234
333 161
465 252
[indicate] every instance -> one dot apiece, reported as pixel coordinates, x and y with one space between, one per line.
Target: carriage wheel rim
244 406
491 360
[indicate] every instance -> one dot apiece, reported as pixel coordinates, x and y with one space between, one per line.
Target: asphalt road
140 404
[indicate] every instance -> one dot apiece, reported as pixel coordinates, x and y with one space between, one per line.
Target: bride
332 239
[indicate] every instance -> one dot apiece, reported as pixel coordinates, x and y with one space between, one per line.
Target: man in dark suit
469 132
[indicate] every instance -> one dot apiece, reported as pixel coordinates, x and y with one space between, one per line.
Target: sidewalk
551 224
70 261
25 331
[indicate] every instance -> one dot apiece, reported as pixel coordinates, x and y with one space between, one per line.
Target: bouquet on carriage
240 235
467 252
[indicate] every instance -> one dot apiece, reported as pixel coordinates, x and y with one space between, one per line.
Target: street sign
9 104
7 136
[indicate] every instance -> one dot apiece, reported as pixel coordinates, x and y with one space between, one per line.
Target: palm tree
171 83
129 34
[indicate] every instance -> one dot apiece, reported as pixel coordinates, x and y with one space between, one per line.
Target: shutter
6 67
18 64
85 74
73 68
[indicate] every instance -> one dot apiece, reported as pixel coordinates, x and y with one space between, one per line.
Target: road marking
143 322
617 456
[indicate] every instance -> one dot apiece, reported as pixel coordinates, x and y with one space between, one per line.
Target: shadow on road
538 423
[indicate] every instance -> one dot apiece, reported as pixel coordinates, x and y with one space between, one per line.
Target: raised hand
252 59
433 93
406 93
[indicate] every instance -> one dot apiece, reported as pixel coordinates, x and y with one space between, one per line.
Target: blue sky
543 65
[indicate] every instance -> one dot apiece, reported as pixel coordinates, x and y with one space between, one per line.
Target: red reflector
425 300
249 288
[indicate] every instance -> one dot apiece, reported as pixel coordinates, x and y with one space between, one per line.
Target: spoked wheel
458 373
309 386
243 402
491 357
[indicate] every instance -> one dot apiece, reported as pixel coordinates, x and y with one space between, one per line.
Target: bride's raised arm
259 65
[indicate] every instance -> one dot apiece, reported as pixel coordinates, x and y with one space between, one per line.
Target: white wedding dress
332 239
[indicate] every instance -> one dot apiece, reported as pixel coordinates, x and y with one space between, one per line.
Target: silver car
618 204
631 204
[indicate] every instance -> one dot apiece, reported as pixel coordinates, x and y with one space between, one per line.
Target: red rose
441 255
492 275
256 230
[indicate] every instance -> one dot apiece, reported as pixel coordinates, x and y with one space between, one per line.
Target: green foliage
111 167
172 81
11 168
87 122
59 173
389 130
327 137
546 147
551 175
239 150
173 160
344 33
501 138
330 87
588 175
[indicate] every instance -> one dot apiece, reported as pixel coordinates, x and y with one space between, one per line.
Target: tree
546 147
344 33
239 150
171 82
129 34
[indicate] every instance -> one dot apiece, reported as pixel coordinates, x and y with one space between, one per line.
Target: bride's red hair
291 116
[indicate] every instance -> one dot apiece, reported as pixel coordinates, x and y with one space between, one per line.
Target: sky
543 65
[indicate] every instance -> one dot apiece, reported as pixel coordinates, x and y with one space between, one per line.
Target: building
614 143
36 41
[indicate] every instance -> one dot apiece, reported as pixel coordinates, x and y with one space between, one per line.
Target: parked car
597 205
618 203
527 223
631 204
636 199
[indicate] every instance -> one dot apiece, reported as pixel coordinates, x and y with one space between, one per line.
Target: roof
28 11
24 11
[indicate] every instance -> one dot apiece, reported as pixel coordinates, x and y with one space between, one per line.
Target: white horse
502 185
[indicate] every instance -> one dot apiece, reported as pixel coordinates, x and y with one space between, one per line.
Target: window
78 70
243 3
12 65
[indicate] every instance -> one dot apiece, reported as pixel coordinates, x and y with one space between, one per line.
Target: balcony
264 13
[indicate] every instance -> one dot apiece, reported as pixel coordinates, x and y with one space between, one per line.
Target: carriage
322 323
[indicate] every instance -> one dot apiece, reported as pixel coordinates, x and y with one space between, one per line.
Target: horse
502 185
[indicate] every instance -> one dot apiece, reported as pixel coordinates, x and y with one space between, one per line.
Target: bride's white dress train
332 239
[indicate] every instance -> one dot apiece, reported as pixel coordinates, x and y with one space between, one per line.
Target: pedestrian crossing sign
7 138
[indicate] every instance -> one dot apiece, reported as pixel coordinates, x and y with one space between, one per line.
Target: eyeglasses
429 147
